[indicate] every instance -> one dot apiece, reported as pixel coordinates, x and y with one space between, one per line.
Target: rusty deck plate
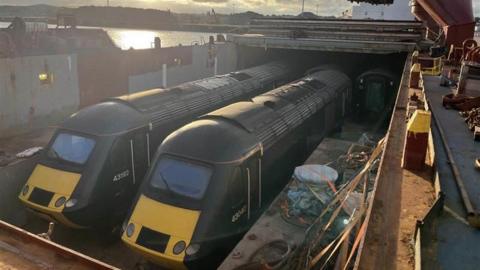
20 249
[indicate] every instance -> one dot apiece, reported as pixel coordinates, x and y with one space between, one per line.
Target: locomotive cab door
140 155
252 171
121 177
129 161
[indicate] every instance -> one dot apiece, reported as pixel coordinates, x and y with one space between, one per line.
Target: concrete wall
198 69
399 10
88 77
26 103
101 74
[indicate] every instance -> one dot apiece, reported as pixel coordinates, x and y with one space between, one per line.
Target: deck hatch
153 240
41 196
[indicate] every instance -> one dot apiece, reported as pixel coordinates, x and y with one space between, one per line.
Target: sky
325 7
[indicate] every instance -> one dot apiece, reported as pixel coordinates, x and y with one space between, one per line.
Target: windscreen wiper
165 181
53 153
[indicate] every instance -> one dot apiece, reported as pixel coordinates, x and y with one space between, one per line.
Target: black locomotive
95 161
211 179
374 96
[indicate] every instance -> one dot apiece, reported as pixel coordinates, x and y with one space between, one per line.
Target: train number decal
239 213
121 175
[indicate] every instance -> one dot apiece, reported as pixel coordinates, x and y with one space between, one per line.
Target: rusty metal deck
20 249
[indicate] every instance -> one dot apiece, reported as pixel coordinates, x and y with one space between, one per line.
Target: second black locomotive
211 179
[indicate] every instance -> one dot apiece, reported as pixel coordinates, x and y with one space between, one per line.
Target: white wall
399 10
227 62
25 103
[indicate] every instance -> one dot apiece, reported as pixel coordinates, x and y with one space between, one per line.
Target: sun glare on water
144 39
127 39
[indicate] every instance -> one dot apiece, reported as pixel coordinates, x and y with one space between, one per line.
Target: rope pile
472 118
334 235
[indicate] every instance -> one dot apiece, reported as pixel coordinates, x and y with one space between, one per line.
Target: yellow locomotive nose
47 190
160 232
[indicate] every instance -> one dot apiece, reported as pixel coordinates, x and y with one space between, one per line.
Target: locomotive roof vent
176 89
314 83
269 104
240 76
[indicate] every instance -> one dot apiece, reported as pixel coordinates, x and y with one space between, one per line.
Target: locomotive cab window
72 148
181 177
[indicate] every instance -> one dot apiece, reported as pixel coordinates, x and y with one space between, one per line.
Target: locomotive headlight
192 249
179 247
71 203
130 229
25 190
60 201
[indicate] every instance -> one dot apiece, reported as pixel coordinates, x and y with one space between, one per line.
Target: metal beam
331 45
366 36
367 25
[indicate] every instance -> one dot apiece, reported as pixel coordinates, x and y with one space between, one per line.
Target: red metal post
455 17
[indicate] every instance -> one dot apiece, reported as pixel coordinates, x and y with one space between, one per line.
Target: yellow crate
435 66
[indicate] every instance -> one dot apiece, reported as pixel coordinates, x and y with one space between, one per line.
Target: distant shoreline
211 28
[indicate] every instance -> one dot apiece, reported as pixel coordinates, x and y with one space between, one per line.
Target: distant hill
241 18
122 17
127 16
374 2
308 15
139 18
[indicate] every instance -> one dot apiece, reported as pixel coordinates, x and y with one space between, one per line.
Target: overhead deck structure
453 19
368 37
353 36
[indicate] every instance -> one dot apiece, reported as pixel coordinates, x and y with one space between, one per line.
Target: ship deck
453 242
442 238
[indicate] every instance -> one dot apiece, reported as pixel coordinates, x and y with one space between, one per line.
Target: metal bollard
415 76
416 143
